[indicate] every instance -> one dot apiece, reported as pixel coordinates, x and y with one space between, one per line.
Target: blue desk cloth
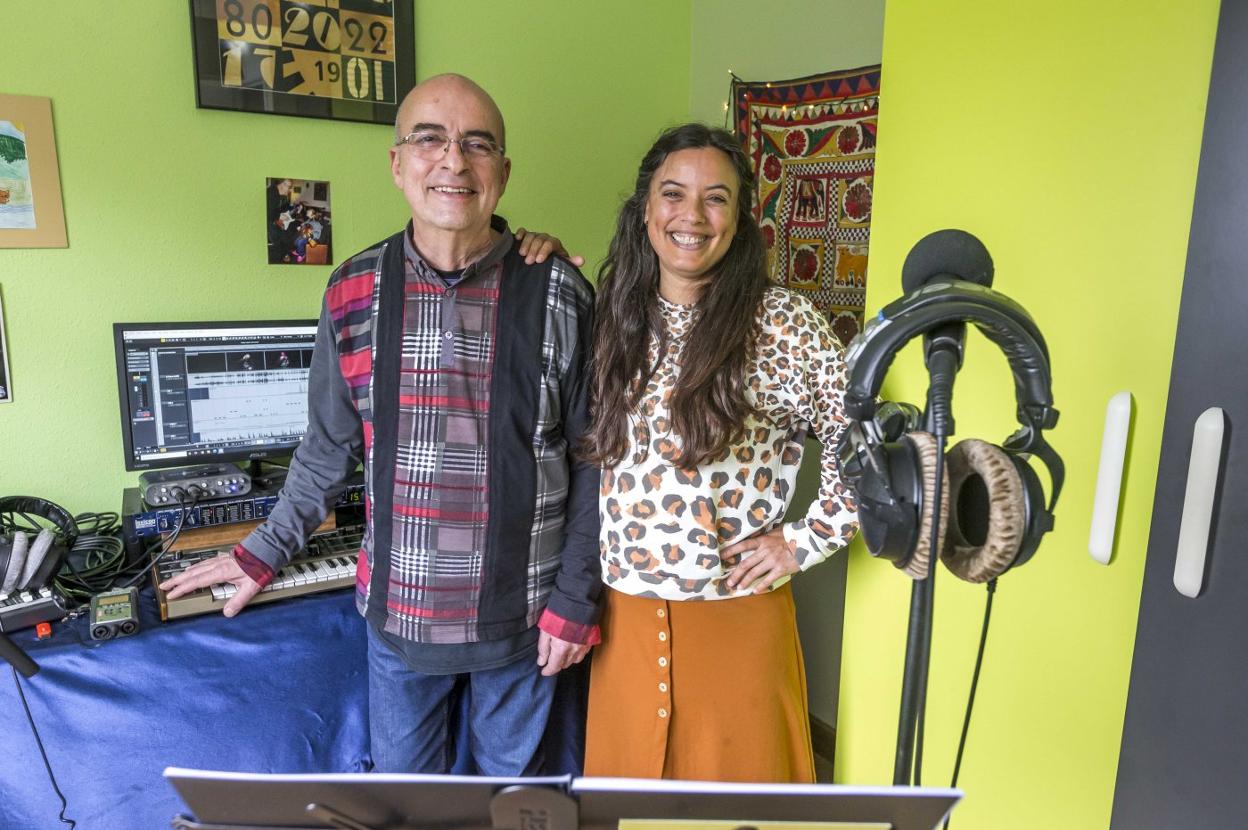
281 688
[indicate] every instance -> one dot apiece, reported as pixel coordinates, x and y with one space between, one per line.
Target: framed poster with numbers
351 60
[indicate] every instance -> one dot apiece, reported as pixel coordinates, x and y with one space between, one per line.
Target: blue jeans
410 716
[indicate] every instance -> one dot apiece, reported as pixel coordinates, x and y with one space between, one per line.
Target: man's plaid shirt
462 403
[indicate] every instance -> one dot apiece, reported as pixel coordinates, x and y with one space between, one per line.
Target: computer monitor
194 393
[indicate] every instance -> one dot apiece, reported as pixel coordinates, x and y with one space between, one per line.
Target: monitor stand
271 479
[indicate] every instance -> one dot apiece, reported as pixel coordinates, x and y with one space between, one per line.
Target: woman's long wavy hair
708 406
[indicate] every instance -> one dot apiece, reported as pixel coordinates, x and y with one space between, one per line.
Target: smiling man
453 369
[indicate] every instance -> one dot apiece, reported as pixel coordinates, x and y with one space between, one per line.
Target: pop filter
948 254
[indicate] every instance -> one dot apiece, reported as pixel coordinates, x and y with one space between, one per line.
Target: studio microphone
939 258
948 254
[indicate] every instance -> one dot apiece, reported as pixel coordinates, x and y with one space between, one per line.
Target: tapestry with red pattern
812 142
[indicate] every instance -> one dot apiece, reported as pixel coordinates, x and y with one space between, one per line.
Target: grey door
1184 760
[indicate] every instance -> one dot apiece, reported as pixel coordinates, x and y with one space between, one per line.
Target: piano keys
327 564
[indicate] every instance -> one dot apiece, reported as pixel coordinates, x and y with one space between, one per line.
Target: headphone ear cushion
989 515
6 547
17 560
34 558
926 450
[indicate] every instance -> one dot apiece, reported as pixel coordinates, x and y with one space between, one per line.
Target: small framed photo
350 60
299 222
6 385
31 214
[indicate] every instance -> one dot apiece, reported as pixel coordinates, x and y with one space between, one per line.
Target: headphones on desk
27 563
992 509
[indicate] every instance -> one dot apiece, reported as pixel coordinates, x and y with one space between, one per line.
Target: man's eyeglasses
430 145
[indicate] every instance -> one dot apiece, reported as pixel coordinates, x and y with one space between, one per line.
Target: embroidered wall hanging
812 141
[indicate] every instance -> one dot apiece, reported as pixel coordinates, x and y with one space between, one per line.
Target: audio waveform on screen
249 406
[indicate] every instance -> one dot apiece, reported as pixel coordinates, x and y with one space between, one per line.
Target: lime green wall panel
1066 135
164 203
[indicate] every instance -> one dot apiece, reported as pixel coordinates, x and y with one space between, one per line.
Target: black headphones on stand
992 511
27 563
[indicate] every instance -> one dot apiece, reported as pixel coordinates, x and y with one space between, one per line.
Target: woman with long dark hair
706 381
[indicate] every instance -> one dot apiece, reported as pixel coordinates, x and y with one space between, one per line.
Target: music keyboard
326 564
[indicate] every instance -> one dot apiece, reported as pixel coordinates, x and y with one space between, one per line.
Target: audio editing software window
195 394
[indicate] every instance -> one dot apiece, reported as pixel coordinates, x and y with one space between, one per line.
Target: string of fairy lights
794 111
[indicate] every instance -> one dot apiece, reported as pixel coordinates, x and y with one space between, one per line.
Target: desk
280 688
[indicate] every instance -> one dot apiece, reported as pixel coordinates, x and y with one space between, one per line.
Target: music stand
354 801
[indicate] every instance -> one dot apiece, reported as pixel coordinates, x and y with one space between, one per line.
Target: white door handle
1202 485
1109 477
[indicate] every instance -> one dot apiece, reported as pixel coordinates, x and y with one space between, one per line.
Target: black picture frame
6 387
296 58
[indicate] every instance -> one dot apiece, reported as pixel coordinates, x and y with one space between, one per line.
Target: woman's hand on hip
759 561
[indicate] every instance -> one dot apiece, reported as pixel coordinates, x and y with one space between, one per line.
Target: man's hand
764 558
555 655
535 247
219 570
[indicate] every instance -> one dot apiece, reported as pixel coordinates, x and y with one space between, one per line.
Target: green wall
1066 136
767 41
164 203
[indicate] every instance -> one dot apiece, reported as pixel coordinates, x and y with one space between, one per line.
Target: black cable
97 523
87 523
42 752
970 701
167 545
95 562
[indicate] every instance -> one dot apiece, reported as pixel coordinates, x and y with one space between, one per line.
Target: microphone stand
944 358
18 659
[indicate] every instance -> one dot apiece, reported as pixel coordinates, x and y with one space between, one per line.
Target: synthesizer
326 564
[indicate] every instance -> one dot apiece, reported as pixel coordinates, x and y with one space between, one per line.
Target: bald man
450 361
